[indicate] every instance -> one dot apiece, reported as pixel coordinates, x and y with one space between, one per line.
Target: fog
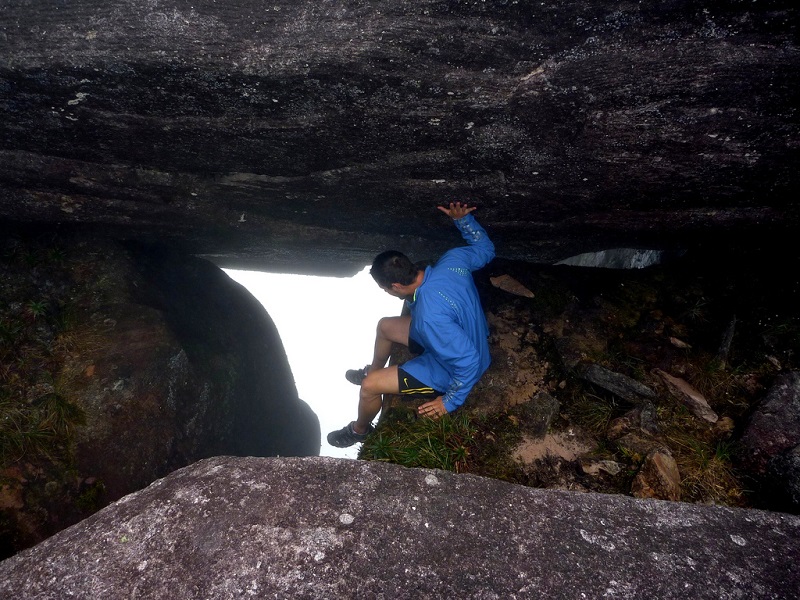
327 325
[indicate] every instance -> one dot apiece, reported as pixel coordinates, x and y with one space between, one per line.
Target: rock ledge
328 528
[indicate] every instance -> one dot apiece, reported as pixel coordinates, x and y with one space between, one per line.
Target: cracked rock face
308 135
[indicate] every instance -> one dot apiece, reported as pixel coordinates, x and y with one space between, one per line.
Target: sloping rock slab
623 386
332 528
689 396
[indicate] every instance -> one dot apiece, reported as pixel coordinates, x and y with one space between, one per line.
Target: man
446 327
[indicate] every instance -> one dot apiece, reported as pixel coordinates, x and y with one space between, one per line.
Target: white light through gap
327 325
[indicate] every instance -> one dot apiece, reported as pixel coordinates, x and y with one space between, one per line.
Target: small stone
618 384
511 285
594 466
738 540
431 479
658 478
648 418
689 396
679 343
638 444
724 427
619 427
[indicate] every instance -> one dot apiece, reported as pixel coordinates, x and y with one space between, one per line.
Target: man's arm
451 346
481 249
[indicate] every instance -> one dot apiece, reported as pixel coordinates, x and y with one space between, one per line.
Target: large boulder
332 528
770 444
121 364
774 426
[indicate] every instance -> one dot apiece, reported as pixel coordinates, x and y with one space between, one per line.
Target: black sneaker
346 437
356 376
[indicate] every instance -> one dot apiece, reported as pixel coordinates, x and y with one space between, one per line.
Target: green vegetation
402 438
720 386
36 309
707 474
462 442
498 435
592 412
36 419
697 311
92 498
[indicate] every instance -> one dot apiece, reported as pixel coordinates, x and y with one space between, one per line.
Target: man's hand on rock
433 409
457 210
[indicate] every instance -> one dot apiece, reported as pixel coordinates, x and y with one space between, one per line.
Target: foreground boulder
327 528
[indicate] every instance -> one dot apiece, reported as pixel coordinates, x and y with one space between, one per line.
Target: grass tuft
406 440
592 412
39 428
707 475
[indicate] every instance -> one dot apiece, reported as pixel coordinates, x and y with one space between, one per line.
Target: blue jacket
448 321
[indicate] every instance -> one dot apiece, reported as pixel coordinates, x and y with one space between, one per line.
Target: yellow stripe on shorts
423 390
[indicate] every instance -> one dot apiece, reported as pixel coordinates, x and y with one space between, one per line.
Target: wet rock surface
784 473
770 444
322 528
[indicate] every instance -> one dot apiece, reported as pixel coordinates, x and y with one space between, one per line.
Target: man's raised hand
457 210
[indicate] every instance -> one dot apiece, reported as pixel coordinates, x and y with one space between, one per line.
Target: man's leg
381 381
390 329
376 383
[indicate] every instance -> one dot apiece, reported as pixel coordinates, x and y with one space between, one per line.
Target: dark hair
393 267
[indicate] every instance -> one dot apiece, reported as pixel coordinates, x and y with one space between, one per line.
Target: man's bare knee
386 326
394 329
380 381
371 384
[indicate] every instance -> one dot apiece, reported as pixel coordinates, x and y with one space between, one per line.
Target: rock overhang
300 136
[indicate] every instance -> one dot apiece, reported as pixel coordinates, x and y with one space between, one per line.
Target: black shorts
414 346
411 386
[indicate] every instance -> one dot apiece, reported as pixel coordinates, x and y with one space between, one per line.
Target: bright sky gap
327 325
